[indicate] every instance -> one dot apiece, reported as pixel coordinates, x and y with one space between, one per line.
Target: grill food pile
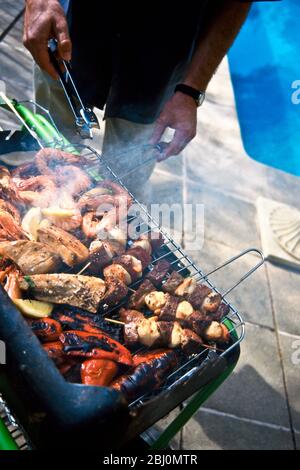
69 266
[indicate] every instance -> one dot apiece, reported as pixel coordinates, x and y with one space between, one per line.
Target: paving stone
17 63
210 432
162 424
297 436
251 298
285 285
290 347
255 389
227 219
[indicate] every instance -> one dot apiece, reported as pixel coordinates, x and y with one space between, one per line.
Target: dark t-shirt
131 55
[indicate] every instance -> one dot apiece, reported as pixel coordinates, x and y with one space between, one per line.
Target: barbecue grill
44 404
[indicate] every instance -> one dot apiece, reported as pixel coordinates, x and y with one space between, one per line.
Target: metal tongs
85 118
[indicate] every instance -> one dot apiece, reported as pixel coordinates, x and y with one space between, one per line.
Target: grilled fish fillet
31 257
69 248
85 292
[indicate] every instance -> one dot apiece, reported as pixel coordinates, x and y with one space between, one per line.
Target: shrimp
90 223
10 230
37 191
24 171
72 179
9 280
47 158
11 209
92 199
116 190
8 189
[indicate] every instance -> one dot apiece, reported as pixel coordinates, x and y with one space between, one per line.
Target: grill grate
181 263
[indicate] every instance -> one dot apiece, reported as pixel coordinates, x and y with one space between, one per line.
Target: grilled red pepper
99 372
148 375
94 345
46 329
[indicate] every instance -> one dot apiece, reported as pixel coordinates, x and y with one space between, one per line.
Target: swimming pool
264 63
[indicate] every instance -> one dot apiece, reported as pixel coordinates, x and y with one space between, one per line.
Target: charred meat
85 292
68 247
31 257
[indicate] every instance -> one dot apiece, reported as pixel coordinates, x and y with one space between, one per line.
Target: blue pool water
264 62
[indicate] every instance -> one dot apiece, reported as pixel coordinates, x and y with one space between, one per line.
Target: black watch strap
190 91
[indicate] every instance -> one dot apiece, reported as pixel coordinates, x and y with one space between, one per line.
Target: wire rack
98 168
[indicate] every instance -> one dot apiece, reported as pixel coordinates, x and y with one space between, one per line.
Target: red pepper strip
94 345
98 372
46 329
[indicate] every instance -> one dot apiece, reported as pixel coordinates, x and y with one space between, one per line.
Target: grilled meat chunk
95 346
100 255
211 303
128 316
116 291
46 329
173 281
116 271
186 288
31 257
85 292
197 296
148 375
168 311
137 300
69 248
98 372
132 265
221 312
141 254
217 332
159 272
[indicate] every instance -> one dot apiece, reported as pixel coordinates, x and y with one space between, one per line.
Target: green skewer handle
34 123
60 140
6 440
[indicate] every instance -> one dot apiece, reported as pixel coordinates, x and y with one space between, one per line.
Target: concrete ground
258 407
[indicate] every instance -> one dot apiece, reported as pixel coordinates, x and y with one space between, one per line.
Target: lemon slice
58 212
34 308
31 222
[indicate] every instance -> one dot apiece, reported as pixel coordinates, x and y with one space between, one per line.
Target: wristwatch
199 96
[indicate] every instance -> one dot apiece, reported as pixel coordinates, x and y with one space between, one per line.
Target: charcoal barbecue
44 403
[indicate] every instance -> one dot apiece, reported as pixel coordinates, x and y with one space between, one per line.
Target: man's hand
179 113
44 21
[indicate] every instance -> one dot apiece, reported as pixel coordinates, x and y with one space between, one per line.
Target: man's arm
45 20
180 112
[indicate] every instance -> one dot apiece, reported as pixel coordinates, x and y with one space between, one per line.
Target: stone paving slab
208 431
255 389
228 220
252 297
285 287
290 347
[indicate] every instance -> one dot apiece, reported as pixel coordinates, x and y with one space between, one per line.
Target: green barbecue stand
52 138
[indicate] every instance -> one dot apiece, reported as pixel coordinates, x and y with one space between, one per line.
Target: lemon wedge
34 308
58 212
31 222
